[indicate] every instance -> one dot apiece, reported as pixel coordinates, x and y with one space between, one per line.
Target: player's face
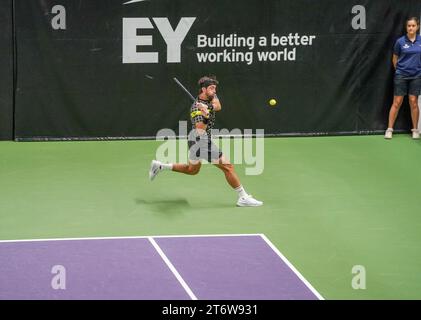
211 91
411 27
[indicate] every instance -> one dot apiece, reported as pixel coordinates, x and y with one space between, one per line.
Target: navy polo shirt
409 53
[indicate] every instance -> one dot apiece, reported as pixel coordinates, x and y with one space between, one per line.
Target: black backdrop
73 83
6 74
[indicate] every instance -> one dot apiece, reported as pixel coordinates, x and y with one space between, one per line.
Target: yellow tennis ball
272 102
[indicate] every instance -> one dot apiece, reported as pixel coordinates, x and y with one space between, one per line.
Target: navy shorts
406 86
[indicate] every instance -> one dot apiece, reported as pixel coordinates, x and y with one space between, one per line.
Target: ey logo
134 42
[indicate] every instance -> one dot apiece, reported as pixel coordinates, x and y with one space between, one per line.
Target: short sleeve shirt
409 53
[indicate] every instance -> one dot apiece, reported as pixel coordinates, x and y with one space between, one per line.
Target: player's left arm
216 103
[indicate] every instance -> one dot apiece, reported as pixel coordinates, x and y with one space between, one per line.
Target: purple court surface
217 267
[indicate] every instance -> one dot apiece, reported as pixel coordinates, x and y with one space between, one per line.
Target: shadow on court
168 207
178 206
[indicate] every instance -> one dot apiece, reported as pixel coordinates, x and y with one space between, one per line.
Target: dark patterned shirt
197 116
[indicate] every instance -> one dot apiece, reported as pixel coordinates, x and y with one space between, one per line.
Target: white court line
271 245
132 237
173 269
290 265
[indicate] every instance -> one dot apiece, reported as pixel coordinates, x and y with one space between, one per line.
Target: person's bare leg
190 168
415 113
244 199
394 110
229 171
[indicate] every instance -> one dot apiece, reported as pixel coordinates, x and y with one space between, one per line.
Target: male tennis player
202 114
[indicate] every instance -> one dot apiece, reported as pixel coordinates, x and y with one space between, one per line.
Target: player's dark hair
207 81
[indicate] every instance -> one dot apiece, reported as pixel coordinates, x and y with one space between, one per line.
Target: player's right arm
204 109
216 103
198 119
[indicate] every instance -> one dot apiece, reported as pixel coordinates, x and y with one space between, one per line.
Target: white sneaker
415 134
388 134
248 201
155 169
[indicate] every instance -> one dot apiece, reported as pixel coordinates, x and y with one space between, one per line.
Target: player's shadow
167 207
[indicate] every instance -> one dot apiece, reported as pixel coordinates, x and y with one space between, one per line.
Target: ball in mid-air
272 102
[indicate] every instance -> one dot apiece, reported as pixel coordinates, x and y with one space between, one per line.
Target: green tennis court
330 203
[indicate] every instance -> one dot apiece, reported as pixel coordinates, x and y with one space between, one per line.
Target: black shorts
204 148
406 86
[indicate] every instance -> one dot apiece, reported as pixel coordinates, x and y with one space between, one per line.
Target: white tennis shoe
389 133
155 169
415 134
248 201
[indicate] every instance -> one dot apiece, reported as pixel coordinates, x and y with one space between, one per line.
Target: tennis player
202 115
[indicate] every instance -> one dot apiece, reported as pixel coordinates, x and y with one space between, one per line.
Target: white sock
241 191
166 166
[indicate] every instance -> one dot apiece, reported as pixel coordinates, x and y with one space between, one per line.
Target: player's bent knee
194 170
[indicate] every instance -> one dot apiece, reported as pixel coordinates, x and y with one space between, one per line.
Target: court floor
206 267
331 204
